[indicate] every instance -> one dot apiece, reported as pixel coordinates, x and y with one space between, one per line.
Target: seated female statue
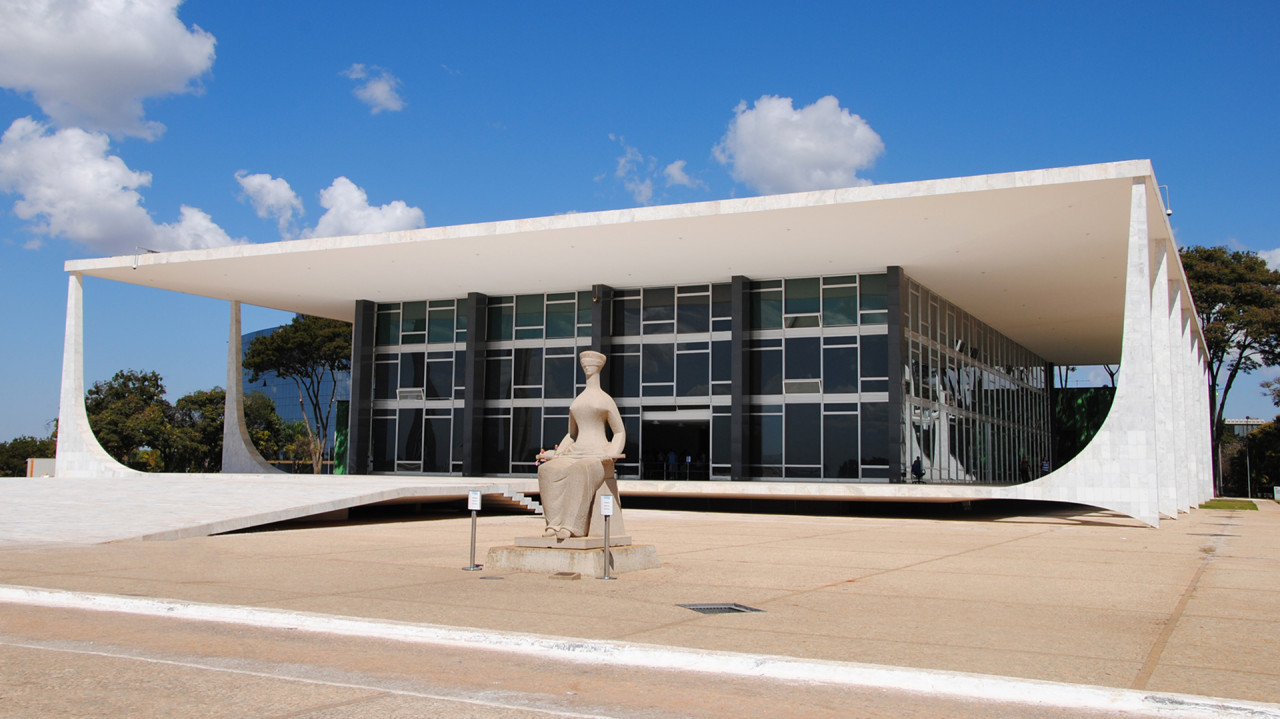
569 478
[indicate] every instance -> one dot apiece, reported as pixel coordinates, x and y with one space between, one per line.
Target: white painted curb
960 685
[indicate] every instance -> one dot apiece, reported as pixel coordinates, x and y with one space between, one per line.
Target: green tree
268 432
308 351
197 432
15 453
1252 462
1237 299
131 418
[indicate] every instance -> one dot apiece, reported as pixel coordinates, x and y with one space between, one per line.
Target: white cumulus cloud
271 197
638 172
379 89
348 212
676 175
90 63
69 185
1271 257
773 147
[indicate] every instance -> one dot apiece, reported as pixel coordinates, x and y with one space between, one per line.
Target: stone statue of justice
572 477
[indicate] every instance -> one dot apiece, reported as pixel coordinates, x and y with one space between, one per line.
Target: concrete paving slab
1008 597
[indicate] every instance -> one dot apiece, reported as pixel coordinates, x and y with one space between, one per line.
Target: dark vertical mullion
739 374
473 391
896 298
601 314
360 409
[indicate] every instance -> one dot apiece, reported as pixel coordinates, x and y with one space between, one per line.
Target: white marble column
239 456
1162 375
79 454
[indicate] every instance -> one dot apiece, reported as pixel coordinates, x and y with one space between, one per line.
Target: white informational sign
473 499
606 505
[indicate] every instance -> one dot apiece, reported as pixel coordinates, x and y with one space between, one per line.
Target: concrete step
513 500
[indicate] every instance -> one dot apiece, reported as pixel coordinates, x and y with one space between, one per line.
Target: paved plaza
1005 610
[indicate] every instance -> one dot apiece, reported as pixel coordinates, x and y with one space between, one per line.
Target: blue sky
452 113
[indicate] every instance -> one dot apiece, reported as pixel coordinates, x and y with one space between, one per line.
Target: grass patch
1221 503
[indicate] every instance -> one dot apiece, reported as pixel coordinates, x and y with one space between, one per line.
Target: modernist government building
883 342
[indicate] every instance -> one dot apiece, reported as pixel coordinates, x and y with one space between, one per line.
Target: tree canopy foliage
131 418
15 453
137 426
309 351
1237 299
1252 462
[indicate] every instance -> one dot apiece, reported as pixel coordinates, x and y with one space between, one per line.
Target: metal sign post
606 509
473 503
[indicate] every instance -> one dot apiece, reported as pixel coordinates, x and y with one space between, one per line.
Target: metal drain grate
720 608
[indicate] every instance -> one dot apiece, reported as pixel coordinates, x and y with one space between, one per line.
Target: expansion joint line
1171 623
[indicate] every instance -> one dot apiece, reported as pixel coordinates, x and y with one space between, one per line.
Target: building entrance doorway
675 450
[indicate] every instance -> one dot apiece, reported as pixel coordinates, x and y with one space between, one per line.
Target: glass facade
976 405
284 392
814 405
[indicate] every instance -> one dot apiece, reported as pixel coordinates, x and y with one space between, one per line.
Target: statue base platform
587 562
596 542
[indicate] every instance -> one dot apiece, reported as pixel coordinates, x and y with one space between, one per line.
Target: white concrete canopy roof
1039 255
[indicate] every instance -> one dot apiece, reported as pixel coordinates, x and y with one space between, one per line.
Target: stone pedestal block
587 562
592 542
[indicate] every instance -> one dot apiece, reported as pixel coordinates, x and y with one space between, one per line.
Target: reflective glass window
558 381
561 319
766 310
528 310
626 317
840 369
694 314
585 301
720 428
412 366
874 292
497 379
440 325
692 369
721 361
804 434
659 363
722 300
839 306
659 304
802 296
804 358
553 430
497 445
385 376
526 434
528 366
766 438
436 441
413 322
387 329
875 355
439 378
766 371
840 446
875 433
409 440
624 371
501 321
384 444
